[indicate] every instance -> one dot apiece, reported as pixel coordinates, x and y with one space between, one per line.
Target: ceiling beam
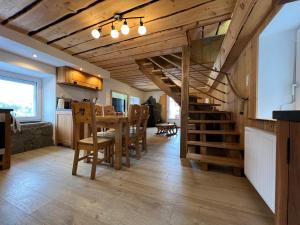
247 16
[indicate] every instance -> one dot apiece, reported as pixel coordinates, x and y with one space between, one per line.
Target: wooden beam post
184 100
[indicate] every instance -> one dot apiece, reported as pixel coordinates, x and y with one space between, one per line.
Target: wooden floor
158 189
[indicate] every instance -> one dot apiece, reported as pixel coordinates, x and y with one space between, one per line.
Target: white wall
275 72
114 85
75 93
154 94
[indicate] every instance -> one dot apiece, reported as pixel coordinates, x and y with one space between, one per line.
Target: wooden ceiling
66 25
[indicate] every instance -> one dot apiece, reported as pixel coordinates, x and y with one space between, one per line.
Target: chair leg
144 142
94 164
138 149
75 161
112 155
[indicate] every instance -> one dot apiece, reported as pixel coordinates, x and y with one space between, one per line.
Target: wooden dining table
121 126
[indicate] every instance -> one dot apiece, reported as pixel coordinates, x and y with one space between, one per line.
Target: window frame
25 79
134 97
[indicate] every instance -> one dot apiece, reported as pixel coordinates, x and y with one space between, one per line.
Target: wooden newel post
184 100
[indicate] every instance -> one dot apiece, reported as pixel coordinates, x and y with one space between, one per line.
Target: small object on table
168 129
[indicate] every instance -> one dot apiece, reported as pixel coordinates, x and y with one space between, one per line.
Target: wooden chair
84 113
134 118
144 121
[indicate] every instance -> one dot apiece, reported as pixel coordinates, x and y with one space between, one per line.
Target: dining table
121 126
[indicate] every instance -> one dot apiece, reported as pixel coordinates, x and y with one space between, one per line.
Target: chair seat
100 140
106 134
111 134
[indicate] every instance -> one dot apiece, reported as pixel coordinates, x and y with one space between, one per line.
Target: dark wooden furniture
287 209
5 138
84 113
168 129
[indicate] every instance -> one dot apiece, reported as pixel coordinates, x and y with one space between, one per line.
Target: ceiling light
125 28
34 56
142 29
96 33
80 69
114 33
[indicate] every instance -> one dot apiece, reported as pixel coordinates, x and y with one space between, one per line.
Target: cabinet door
64 129
282 176
294 175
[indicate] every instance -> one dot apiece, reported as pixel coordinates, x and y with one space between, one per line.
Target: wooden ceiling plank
203 13
10 8
140 56
47 12
152 12
172 43
136 42
100 12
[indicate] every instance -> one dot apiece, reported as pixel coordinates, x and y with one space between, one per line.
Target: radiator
260 163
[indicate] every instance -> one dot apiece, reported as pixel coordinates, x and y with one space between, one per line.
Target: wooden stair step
172 86
203 104
148 64
211 121
215 132
223 145
165 78
156 71
216 160
209 112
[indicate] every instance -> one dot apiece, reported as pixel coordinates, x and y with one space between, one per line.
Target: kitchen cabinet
69 76
287 210
64 128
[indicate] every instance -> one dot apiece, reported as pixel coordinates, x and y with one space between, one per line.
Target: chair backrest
83 113
99 110
144 116
109 110
134 115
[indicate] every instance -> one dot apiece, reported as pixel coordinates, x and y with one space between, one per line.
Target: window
119 101
22 94
134 100
173 109
278 63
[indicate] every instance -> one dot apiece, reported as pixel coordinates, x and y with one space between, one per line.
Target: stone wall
32 136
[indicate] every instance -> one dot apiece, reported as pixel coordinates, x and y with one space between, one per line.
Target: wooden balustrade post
184 100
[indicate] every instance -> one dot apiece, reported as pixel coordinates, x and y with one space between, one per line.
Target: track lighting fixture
125 28
142 29
114 33
96 33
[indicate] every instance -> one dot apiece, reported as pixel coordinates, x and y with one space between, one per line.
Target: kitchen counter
289 115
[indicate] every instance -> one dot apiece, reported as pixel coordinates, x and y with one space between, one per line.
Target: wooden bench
168 129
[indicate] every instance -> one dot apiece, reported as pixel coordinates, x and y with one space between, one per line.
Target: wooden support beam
184 100
239 32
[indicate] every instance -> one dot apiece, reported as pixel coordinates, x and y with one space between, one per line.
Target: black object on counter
289 115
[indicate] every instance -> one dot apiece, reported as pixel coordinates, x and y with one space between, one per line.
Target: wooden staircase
212 138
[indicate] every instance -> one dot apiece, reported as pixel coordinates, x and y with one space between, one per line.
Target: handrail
203 92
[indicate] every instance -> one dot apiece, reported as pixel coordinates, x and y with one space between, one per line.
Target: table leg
126 134
118 147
